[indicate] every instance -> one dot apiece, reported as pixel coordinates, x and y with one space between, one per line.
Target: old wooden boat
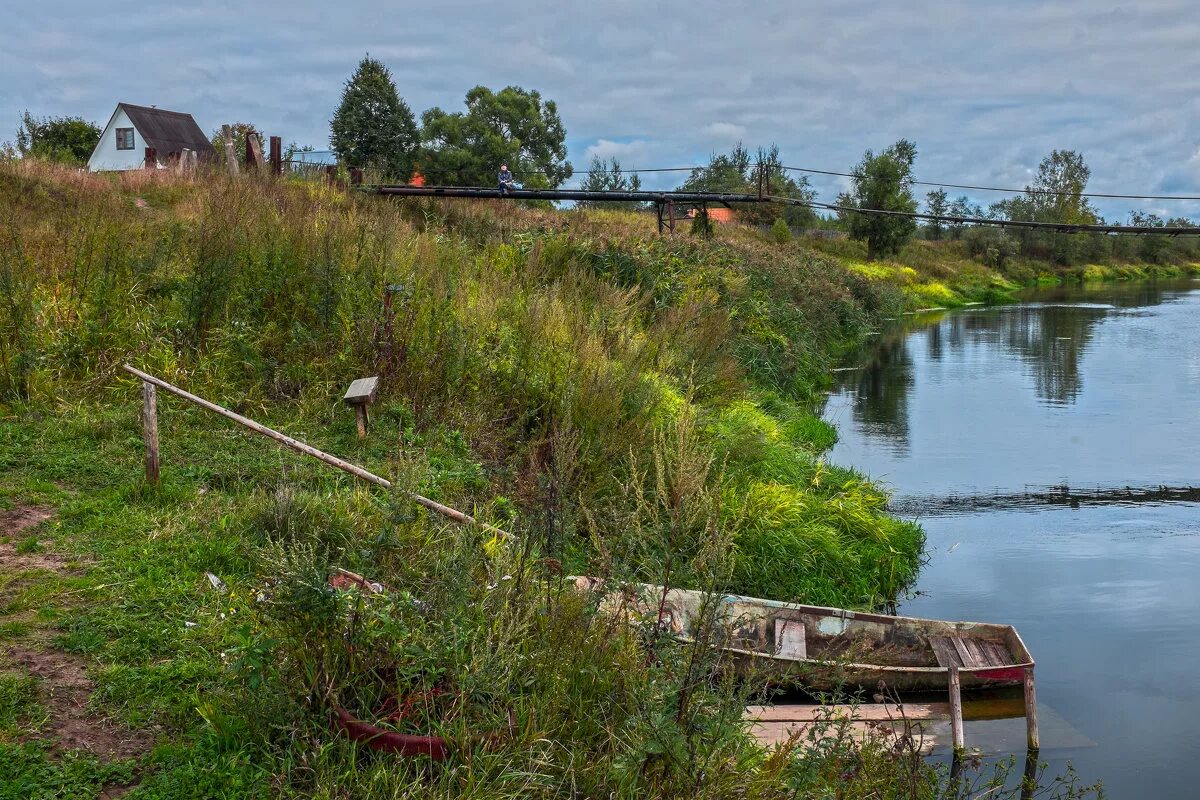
828 648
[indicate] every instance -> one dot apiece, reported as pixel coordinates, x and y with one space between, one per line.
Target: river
1049 449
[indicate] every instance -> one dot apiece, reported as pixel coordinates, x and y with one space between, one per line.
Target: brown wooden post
150 430
956 719
151 161
1031 722
330 174
356 176
254 156
276 155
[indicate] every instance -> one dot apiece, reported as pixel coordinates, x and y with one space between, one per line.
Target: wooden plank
864 712
947 656
362 390
997 654
777 733
977 656
789 639
967 659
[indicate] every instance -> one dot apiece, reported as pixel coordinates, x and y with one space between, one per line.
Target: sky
984 89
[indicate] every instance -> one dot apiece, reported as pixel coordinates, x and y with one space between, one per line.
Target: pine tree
373 127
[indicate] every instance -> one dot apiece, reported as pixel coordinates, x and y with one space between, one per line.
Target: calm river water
1048 449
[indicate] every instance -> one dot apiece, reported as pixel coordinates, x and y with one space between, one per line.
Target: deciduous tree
240 130
737 173
936 205
882 182
68 140
512 126
607 176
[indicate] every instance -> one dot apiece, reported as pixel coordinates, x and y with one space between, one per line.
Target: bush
780 232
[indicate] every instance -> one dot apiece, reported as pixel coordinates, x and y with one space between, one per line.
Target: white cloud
626 152
725 132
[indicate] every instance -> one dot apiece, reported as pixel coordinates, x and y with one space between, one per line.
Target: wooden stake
276 155
150 431
360 413
956 718
1031 722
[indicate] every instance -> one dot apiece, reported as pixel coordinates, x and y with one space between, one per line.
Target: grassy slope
626 404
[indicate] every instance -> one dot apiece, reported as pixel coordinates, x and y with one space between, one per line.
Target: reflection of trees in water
880 389
1050 339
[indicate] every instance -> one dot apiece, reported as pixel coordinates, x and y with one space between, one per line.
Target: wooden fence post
276 155
956 720
150 430
254 156
1031 722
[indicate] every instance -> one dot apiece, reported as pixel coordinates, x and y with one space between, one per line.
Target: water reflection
881 389
1050 337
1049 450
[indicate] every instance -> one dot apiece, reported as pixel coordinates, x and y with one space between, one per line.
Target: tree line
374 128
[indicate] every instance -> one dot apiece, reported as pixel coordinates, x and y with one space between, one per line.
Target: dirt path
64 686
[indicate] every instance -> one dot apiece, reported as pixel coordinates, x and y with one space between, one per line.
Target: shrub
780 232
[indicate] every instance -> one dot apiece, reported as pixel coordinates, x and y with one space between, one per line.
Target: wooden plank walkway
996 726
774 725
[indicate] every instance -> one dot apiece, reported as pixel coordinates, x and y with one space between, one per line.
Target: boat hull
825 649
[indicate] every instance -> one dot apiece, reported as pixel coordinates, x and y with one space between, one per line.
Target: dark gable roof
168 131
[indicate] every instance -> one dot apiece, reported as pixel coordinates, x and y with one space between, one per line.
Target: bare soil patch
65 685
65 691
17 519
12 523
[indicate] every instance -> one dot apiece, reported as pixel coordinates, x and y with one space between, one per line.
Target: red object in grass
344 579
387 741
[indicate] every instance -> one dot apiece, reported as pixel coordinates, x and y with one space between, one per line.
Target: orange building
722 215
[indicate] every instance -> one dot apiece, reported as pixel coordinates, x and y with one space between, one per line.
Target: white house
132 129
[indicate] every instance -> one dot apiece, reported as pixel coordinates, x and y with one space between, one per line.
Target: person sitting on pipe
507 184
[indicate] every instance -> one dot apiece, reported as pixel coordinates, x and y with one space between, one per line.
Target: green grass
20 706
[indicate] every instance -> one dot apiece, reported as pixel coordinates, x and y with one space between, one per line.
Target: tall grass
516 329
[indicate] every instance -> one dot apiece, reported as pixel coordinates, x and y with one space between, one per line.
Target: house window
124 138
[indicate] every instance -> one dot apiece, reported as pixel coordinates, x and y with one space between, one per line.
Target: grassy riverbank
626 405
971 268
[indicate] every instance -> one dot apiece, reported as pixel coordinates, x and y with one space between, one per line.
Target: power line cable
1175 230
1009 191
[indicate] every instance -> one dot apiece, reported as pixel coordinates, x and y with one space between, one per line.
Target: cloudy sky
985 89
